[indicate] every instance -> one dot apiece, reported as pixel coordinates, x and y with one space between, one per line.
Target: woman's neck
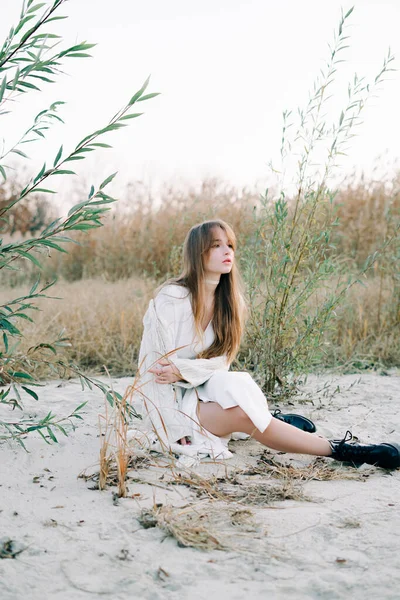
210 283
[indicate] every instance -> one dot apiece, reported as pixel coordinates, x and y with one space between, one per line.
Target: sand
339 539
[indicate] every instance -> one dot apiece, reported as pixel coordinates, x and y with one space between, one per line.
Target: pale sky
226 70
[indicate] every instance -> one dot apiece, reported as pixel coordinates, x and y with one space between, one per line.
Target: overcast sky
226 70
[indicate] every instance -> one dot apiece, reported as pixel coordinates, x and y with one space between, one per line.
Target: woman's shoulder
173 291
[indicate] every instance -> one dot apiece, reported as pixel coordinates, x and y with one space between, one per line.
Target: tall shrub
291 256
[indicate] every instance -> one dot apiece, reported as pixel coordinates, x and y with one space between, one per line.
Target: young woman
192 331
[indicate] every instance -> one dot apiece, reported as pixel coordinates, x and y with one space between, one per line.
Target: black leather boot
296 420
383 455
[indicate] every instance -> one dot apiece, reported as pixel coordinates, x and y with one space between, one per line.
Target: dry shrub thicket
106 281
28 216
145 239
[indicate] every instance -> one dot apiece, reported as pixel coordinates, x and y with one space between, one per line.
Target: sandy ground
340 541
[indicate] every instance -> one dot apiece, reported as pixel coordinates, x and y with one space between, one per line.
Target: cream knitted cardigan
170 411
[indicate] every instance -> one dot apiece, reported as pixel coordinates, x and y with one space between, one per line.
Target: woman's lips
228 260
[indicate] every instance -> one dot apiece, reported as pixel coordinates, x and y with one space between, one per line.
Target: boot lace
352 450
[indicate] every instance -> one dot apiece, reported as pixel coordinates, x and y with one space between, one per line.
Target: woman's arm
170 311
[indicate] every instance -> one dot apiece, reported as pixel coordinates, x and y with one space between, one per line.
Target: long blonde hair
229 305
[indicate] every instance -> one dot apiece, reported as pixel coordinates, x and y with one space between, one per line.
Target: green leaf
139 93
83 150
82 227
55 19
61 428
40 174
101 145
82 46
55 105
79 55
63 172
108 201
133 116
58 156
51 244
15 80
29 257
22 316
36 7
5 324
108 180
43 436
22 23
52 225
21 375
34 287
74 208
5 340
110 398
78 408
19 152
2 171
40 36
30 392
51 434
30 86
45 191
63 238
3 87
148 96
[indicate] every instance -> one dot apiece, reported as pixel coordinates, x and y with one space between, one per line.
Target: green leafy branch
23 56
42 122
17 430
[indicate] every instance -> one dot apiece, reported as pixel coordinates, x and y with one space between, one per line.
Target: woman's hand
165 372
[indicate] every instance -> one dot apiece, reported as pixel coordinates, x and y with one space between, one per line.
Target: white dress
171 410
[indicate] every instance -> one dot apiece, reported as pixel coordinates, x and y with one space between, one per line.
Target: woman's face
219 259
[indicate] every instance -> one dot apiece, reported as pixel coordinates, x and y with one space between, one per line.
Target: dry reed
114 448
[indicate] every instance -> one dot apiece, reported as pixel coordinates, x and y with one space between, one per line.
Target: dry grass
204 525
235 488
320 469
223 517
114 446
365 332
103 321
367 212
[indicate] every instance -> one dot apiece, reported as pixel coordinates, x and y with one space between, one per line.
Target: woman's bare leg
278 435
